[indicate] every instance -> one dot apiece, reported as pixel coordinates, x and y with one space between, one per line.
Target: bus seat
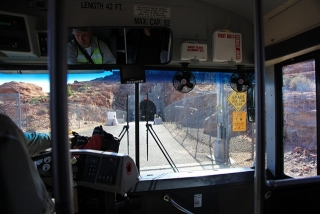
21 188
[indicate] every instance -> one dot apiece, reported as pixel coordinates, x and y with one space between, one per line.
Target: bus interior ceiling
195 23
192 21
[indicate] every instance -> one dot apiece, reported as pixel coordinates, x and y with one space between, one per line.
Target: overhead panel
185 24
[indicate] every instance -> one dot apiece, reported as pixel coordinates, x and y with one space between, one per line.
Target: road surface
151 157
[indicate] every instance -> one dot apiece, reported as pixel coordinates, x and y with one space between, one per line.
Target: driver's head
83 36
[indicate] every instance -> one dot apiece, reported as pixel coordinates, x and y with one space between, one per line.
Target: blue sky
42 80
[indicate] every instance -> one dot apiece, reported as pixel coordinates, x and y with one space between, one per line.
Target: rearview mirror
119 45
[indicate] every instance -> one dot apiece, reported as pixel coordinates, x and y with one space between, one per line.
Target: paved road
151 156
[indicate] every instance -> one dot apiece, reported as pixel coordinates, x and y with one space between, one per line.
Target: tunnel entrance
147 110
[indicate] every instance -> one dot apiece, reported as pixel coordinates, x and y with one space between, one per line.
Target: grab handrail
290 182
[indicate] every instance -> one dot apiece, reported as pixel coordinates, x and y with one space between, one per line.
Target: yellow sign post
239 121
237 99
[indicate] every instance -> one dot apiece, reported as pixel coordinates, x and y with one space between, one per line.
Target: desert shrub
34 100
69 91
83 88
301 83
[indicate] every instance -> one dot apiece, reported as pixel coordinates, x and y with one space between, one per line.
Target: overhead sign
193 51
237 99
239 121
152 15
151 11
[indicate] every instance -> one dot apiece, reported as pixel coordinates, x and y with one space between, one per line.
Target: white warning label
152 11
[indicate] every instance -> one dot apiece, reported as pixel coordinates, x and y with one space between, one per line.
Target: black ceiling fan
184 81
240 81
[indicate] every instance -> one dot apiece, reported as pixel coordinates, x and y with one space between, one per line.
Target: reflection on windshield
195 128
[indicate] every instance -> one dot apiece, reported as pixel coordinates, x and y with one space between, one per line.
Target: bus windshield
201 126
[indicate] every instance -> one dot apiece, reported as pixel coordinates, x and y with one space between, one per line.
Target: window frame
279 125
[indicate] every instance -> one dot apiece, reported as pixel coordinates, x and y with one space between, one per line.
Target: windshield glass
201 126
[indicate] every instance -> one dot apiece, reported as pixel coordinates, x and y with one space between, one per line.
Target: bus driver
87 49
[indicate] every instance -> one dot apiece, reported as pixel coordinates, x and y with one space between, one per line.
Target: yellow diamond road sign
237 99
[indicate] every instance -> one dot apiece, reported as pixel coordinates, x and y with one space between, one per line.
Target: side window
299 119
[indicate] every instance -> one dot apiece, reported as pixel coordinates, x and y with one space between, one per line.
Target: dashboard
105 171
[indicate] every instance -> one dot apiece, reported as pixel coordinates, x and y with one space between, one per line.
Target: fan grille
184 81
240 82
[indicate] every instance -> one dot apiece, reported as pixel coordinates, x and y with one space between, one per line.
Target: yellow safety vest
96 55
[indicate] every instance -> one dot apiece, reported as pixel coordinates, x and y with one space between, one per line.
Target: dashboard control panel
106 171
